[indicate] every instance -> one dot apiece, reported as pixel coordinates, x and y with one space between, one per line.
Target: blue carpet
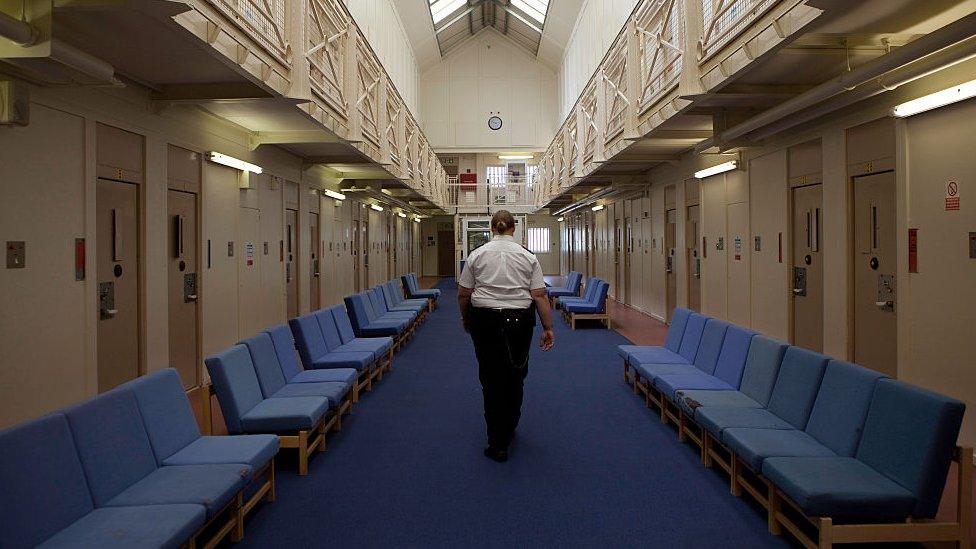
591 466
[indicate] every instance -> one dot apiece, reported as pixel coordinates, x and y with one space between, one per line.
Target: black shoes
496 454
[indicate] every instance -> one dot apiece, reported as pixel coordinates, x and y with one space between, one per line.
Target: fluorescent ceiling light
516 157
560 219
333 194
715 170
377 208
416 219
936 100
233 162
597 207
401 214
440 9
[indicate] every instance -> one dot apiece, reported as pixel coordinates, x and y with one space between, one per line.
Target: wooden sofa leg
964 492
734 476
826 527
355 392
773 509
270 475
706 456
303 453
682 436
626 370
237 534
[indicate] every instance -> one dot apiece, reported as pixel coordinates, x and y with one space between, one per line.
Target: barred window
538 240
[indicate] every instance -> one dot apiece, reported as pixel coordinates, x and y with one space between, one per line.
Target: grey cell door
183 287
807 271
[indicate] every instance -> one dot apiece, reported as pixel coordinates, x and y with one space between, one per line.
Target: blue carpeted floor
591 466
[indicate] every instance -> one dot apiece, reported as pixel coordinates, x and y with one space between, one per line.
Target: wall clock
495 123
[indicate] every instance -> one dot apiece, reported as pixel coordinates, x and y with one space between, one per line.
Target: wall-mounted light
333 194
560 219
401 214
376 208
232 162
416 220
516 156
936 100
597 207
715 170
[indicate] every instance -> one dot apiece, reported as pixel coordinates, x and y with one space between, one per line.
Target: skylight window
440 9
536 9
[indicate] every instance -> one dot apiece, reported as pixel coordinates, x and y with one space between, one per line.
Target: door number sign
952 196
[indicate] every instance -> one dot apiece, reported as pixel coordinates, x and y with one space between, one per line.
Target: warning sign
952 196
249 253
738 248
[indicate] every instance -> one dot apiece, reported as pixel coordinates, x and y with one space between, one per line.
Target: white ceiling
559 25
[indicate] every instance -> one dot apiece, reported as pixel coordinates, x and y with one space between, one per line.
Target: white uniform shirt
502 273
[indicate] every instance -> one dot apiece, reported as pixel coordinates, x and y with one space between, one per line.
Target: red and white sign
952 196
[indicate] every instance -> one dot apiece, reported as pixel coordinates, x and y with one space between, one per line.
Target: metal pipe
944 37
926 66
83 62
17 31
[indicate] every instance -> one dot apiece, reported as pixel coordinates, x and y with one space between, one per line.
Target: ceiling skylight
536 9
455 21
440 9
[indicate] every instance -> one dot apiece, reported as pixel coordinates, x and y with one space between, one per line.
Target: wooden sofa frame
604 317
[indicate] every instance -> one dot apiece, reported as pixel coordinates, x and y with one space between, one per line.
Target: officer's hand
548 340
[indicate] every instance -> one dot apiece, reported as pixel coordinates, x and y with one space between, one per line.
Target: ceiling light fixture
598 207
516 156
715 170
333 194
232 162
936 100
401 214
376 207
560 219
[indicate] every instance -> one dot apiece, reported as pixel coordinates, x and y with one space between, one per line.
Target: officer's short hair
502 221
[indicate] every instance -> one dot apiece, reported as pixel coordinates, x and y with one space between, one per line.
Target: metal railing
326 26
661 42
515 192
266 20
725 19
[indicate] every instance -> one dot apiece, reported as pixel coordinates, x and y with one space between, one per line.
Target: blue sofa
128 468
298 421
574 281
395 301
317 355
284 344
413 291
594 307
366 323
861 456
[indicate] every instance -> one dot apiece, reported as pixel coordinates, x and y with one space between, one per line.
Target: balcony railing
326 28
510 192
661 42
725 19
266 20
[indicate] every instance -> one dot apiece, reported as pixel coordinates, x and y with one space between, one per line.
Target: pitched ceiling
437 27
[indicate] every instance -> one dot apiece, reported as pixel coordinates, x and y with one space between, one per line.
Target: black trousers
501 342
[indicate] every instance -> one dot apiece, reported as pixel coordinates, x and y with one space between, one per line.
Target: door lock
106 300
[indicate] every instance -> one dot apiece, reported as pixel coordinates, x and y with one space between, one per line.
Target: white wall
488 75
380 23
597 26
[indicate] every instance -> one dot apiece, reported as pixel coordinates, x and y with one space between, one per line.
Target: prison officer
500 291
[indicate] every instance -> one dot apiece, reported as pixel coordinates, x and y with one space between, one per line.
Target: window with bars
538 240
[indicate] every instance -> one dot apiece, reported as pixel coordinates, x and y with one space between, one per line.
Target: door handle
110 312
884 304
797 291
191 297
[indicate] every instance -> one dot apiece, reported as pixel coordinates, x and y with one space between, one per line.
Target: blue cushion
251 450
654 355
585 309
284 344
342 375
112 444
356 309
560 292
380 330
710 345
235 383
651 371
692 336
332 390
753 446
717 420
841 406
732 359
679 319
357 360
44 487
212 486
909 436
797 386
266 366
165 526
330 332
166 411
762 367
670 384
279 415
839 487
341 318
308 338
692 399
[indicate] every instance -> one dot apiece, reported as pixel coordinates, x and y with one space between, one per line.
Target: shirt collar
503 238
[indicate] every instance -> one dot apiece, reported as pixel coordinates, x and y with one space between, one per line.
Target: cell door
875 260
693 259
315 249
808 267
117 244
291 248
628 257
617 278
183 287
364 246
671 282
355 251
